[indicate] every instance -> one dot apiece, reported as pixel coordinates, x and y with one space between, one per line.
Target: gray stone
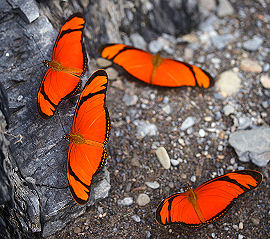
126 201
221 41
103 62
145 128
143 199
153 185
193 179
112 73
228 109
202 133
253 44
138 41
166 109
252 145
228 83
28 9
136 218
224 8
155 46
244 122
130 99
188 122
175 162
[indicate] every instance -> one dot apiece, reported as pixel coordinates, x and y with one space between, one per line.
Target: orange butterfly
208 202
90 133
155 70
69 62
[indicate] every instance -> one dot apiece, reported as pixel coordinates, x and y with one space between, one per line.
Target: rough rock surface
41 199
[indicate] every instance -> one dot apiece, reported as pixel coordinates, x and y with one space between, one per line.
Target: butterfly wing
136 62
91 121
174 73
69 51
214 198
169 73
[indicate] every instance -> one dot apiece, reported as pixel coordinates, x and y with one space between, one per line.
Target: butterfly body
208 202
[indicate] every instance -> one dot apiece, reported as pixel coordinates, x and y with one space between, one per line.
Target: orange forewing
91 121
214 198
69 51
170 73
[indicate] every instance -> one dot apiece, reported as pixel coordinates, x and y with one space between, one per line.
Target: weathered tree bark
35 199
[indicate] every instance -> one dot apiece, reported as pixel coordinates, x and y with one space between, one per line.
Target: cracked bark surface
35 200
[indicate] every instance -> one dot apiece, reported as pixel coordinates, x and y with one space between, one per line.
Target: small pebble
135 162
240 236
118 84
193 179
188 122
265 80
103 63
253 44
155 46
224 8
130 99
167 109
255 221
77 230
241 225
143 199
250 66
228 109
202 133
138 41
126 201
213 235
136 218
228 83
153 185
145 128
175 162
235 227
112 73
208 118
163 157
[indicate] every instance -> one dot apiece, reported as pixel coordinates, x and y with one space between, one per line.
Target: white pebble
143 199
136 218
163 157
153 185
241 225
175 162
126 201
202 133
188 122
193 179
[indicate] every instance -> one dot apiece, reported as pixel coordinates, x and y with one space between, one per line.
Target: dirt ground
132 160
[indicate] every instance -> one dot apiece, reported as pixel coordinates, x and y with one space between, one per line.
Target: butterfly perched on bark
90 133
209 201
69 62
154 69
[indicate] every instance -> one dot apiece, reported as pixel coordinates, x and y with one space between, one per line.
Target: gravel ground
199 152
